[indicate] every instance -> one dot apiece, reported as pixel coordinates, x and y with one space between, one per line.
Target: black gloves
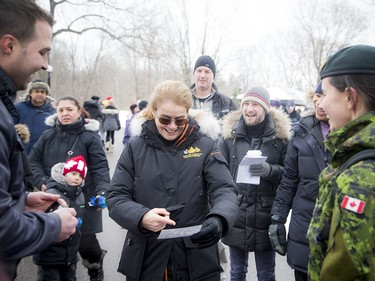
260 170
277 234
210 233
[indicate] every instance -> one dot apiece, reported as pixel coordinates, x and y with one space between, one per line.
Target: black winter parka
221 104
150 174
21 233
306 157
53 146
65 252
250 232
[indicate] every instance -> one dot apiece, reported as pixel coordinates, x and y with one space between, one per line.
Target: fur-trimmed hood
308 112
90 124
108 111
56 173
280 120
208 124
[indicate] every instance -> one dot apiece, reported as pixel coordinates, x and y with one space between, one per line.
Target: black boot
95 269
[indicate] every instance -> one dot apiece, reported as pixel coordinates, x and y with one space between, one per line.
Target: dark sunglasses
166 121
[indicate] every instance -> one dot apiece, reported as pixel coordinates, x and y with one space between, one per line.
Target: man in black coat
25 40
205 93
256 126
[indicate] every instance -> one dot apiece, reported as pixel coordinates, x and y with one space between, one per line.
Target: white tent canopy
277 93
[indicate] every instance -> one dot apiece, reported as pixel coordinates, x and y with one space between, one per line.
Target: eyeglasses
167 120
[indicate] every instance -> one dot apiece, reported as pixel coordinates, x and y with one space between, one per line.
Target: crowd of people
184 149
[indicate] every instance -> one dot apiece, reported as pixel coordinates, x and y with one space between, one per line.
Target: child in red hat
58 261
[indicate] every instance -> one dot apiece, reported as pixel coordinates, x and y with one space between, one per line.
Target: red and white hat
75 164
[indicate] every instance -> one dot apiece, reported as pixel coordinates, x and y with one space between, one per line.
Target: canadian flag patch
353 204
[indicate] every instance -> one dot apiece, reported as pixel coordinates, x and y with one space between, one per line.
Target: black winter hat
206 61
142 104
357 59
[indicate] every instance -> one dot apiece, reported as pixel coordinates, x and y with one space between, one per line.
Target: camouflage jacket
342 242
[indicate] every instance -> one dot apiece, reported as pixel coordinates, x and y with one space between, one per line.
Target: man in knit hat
205 93
256 126
33 109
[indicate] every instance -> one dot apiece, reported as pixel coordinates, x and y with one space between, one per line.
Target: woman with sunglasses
172 175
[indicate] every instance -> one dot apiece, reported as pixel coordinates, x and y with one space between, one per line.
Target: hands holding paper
210 234
260 170
252 167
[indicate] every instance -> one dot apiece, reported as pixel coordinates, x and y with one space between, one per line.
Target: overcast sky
238 25
241 23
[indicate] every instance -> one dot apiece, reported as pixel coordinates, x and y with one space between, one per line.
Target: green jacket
342 242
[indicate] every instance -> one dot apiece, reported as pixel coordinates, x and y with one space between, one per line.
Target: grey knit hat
259 95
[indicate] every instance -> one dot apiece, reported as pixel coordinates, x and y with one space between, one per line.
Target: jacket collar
7 86
355 136
200 123
205 121
8 93
278 125
88 124
189 134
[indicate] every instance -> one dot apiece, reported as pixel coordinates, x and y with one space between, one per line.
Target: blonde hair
174 91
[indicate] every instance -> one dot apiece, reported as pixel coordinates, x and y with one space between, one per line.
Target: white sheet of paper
179 232
243 175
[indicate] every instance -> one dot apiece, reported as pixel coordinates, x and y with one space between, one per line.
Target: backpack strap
360 156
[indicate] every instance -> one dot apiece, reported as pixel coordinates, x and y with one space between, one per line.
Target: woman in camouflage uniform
342 232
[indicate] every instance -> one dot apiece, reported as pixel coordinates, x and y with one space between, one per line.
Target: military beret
357 59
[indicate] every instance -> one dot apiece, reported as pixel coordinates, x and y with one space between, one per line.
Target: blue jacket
34 118
127 133
306 157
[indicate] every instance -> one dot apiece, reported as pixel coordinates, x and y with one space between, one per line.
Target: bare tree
187 36
110 18
320 28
